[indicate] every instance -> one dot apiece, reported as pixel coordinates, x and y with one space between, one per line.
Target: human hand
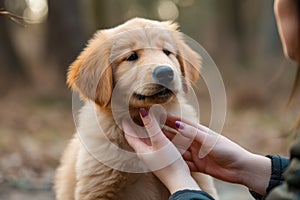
214 154
159 154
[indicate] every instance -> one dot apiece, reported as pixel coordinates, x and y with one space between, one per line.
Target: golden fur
100 68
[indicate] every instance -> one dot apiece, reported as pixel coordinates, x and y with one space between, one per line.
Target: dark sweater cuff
279 165
190 195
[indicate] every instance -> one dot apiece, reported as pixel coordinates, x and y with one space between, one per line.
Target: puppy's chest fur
145 186
100 134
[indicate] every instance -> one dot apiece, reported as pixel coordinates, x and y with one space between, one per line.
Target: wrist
256 173
178 181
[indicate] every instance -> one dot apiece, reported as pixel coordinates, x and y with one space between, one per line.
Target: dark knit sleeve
279 165
190 195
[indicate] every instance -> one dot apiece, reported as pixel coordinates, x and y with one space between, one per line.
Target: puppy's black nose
163 74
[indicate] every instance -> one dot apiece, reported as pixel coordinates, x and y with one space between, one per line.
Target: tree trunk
66 34
10 65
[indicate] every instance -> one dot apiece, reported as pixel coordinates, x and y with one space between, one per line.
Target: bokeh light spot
167 10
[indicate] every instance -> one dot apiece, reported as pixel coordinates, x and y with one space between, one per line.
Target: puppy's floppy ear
190 63
91 73
189 60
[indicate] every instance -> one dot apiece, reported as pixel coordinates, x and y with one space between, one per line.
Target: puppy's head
148 60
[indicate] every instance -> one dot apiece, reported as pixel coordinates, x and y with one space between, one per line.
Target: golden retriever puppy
135 65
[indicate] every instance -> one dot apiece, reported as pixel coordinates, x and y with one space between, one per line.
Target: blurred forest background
35 104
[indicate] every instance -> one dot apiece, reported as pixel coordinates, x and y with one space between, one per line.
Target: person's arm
214 154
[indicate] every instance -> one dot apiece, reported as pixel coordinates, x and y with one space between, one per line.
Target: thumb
131 136
158 139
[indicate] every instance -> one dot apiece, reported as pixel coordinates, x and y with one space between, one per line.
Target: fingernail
143 112
179 125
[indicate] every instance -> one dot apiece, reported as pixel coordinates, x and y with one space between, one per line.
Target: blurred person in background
270 177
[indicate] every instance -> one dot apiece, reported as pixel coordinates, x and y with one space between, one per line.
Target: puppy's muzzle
163 75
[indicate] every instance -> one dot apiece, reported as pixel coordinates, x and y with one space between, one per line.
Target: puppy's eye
167 52
134 56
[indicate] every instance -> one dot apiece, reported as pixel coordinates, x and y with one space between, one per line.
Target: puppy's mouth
152 94
162 93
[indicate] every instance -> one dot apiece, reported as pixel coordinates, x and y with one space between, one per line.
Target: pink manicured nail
143 112
179 125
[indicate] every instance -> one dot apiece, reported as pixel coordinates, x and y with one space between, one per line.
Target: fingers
181 142
206 138
137 137
190 131
187 155
157 138
192 166
156 156
170 134
171 121
198 131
